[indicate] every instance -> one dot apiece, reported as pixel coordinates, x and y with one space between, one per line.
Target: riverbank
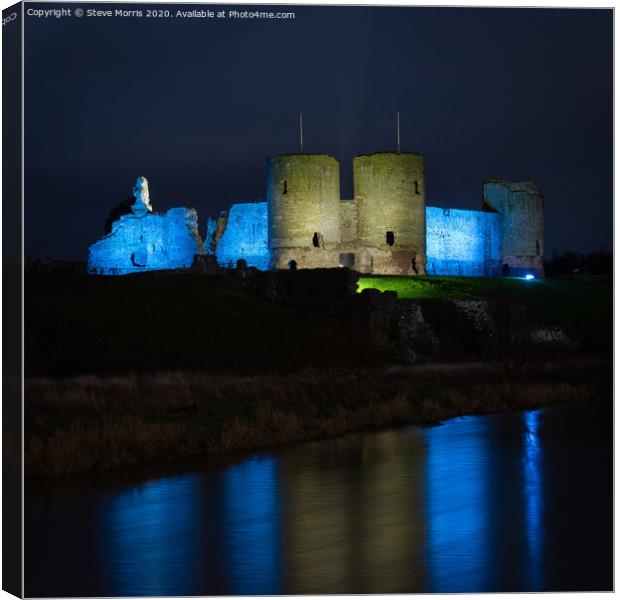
91 423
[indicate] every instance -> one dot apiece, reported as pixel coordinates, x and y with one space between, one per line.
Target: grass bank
189 322
85 423
80 324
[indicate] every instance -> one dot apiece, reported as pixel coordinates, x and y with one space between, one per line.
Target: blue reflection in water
159 532
252 527
532 462
151 537
511 502
457 505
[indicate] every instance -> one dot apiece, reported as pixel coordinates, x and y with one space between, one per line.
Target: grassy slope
583 309
81 324
154 322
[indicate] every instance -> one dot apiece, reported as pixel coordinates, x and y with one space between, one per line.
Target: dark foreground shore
89 423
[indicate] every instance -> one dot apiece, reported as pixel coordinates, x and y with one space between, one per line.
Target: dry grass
83 423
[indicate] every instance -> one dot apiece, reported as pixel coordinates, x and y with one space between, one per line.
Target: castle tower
520 205
390 192
303 197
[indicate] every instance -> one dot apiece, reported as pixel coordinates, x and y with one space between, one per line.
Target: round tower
390 192
303 197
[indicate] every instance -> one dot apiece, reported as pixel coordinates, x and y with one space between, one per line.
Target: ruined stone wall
303 196
245 236
462 242
390 192
521 208
214 231
147 242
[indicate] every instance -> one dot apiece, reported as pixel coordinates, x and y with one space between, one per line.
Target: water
517 501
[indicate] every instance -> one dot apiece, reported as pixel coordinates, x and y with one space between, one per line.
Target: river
517 501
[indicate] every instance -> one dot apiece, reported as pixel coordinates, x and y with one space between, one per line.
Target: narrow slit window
284 188
417 187
389 238
316 240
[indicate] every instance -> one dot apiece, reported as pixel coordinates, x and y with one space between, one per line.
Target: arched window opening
389 238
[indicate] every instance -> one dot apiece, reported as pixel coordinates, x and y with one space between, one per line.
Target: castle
387 228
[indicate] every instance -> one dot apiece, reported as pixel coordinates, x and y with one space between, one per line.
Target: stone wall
462 242
245 236
458 242
411 331
214 231
324 291
147 242
348 221
521 208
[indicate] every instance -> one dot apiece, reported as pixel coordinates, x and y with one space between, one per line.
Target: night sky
197 105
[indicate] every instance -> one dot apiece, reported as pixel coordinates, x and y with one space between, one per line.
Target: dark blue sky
197 105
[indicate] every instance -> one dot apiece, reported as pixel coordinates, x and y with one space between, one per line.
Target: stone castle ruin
142 240
387 228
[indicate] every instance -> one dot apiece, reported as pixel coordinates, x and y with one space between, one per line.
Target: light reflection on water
150 527
532 496
477 504
251 516
457 498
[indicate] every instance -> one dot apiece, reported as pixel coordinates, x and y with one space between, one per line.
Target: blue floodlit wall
147 242
458 242
462 242
245 236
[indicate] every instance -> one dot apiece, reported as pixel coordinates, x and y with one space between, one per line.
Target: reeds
84 423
